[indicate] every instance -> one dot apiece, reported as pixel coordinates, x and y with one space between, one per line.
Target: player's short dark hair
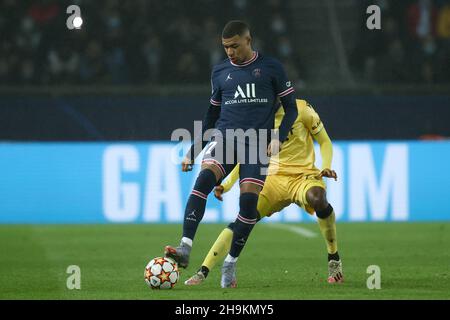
233 28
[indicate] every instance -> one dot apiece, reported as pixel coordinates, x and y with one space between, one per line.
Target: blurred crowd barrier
126 116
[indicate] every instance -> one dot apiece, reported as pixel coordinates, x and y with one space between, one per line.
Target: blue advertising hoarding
143 183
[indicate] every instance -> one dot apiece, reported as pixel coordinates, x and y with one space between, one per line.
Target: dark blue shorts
226 153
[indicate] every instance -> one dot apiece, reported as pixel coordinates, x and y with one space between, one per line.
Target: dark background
93 118
139 69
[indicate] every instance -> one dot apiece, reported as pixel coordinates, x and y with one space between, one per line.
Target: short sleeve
283 86
311 119
216 93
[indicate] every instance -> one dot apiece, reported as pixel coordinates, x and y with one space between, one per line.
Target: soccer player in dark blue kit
245 92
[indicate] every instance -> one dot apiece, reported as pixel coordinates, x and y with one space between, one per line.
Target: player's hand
328 173
186 165
274 147
218 192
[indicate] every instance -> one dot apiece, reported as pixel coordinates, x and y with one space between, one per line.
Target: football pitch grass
277 263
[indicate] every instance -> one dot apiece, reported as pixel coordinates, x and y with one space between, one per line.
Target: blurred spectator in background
149 41
443 34
443 23
63 65
152 52
44 12
392 63
379 52
187 67
113 41
408 48
421 18
92 65
210 42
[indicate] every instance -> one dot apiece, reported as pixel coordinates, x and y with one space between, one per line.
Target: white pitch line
299 230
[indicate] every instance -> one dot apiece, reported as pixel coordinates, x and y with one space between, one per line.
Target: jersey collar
246 63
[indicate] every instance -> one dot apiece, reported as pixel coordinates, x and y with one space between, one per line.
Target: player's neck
249 55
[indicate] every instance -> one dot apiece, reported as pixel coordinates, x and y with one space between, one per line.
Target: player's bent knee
316 197
250 188
217 172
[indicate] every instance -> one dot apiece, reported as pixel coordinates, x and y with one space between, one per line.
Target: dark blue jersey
248 92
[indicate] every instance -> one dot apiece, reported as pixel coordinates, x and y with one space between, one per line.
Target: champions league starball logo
257 73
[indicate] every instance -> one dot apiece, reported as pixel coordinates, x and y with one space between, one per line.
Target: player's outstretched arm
290 115
228 184
209 122
326 151
286 94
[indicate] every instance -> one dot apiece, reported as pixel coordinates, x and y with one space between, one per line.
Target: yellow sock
219 249
328 229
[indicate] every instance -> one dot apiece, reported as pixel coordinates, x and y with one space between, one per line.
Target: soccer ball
161 273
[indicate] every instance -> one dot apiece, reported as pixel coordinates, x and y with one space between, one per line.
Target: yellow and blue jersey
297 152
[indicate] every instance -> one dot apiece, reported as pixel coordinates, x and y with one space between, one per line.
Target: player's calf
195 207
327 224
244 223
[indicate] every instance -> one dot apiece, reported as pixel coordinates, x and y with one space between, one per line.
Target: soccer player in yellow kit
292 178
